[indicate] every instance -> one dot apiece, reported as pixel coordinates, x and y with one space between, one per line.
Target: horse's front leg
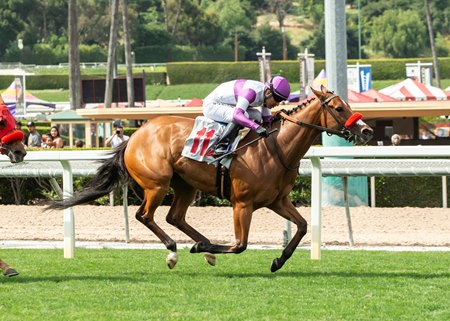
242 217
7 270
286 209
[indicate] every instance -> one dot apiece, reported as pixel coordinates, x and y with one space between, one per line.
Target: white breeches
224 113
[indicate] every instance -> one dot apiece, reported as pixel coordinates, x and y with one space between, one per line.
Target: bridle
6 151
344 132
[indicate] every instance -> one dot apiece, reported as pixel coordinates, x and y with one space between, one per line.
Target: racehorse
261 174
12 146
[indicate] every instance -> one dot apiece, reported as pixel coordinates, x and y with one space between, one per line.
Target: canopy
410 89
195 102
377 96
9 96
355 97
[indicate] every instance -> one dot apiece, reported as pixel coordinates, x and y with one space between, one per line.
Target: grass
136 285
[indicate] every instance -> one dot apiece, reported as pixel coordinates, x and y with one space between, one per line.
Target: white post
347 212
444 191
372 191
69 225
125 212
316 207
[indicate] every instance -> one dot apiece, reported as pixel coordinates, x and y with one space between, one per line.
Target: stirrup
221 149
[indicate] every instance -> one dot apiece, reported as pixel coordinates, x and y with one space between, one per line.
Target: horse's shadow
66 278
342 274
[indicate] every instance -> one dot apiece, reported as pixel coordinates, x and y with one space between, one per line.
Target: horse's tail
111 174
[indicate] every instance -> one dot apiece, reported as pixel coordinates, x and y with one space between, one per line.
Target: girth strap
223 182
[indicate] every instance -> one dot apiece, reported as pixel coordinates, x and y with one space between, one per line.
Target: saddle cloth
199 145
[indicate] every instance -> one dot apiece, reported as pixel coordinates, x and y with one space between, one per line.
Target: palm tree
74 58
433 47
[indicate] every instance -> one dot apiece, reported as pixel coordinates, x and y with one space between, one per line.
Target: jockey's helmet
280 88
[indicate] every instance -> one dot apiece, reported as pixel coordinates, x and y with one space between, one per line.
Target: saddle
200 144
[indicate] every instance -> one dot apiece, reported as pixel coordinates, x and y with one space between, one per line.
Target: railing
421 161
370 153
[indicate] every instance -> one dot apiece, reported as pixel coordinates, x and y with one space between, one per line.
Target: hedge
167 53
43 82
218 72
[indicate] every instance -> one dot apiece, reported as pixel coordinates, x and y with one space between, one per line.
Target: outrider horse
12 146
262 174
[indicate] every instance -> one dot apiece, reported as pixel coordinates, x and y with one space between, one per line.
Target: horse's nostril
367 131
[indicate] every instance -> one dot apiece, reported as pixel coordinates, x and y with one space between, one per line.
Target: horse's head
348 124
14 149
10 138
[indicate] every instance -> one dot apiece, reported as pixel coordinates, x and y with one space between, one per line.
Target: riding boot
228 137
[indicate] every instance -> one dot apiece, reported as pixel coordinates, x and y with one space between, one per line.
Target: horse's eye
339 109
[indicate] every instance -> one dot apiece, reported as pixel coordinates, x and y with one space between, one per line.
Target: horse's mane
300 106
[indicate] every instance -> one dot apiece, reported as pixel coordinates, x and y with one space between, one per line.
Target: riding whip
245 145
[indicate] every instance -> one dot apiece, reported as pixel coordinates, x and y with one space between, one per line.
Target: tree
128 59
433 47
74 57
233 19
281 7
398 33
111 52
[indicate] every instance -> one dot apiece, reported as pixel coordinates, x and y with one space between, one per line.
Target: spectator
19 127
396 139
34 138
56 140
117 138
47 141
79 143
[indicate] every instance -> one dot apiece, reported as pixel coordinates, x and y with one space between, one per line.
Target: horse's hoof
172 259
10 272
210 258
276 265
196 248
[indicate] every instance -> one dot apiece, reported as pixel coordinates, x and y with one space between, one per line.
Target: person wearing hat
34 138
117 138
245 103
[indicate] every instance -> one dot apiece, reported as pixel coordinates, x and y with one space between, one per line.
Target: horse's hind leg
7 270
184 194
286 209
146 213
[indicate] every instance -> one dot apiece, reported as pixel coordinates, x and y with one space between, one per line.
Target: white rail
422 160
369 152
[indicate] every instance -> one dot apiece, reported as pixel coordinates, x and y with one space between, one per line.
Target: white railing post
69 225
125 212
316 208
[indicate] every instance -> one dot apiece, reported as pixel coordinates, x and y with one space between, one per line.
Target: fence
368 161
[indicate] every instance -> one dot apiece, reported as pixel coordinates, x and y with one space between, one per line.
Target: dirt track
378 226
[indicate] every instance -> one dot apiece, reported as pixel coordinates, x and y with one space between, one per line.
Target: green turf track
137 285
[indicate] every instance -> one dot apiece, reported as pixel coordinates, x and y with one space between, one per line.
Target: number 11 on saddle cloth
199 145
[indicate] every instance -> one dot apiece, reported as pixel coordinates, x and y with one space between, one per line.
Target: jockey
235 103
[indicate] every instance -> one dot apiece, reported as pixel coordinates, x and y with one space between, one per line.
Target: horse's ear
319 94
323 89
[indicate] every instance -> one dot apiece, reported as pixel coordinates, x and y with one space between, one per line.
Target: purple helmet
280 88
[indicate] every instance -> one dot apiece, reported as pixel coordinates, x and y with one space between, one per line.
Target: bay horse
12 146
262 174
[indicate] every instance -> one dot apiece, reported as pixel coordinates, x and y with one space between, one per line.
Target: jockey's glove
262 131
